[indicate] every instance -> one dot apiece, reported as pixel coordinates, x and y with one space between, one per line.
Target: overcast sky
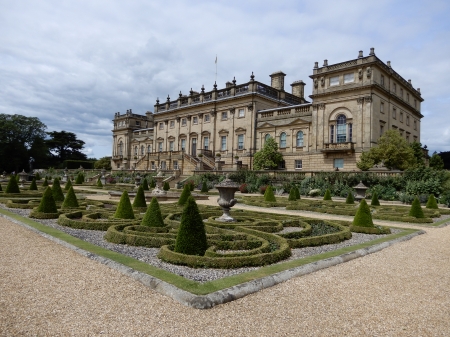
73 64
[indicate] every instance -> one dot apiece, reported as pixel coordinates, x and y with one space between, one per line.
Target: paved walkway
404 290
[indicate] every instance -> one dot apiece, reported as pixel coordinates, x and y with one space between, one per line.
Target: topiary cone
268 195
70 201
191 238
12 186
139 199
327 195
152 216
68 184
124 209
145 185
204 187
375 201
297 193
292 196
432 203
79 179
99 183
166 186
45 183
363 217
416 210
57 191
33 186
184 195
350 199
152 184
47 204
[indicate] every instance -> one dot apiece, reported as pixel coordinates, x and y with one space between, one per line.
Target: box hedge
124 209
12 186
153 217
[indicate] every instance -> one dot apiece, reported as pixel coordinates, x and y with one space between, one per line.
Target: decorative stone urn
23 176
158 190
103 176
65 176
360 190
137 181
226 199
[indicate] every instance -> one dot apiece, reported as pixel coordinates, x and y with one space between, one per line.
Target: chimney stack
298 89
372 51
277 81
325 63
360 55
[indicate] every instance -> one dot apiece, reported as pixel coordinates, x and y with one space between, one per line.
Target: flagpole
216 70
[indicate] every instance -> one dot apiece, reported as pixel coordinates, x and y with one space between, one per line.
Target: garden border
209 294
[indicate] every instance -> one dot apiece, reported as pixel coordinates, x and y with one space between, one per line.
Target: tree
436 161
19 137
65 145
268 156
104 162
445 156
418 154
392 149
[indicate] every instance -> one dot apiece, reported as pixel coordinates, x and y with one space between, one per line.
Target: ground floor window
240 142
152 165
298 164
223 143
171 145
160 146
163 165
183 144
175 164
282 165
339 163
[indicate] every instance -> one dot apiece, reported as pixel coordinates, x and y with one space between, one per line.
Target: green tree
268 156
68 184
350 198
436 161
33 186
432 203
268 194
292 194
392 149
375 201
12 186
145 185
416 210
65 145
184 195
327 195
104 162
418 154
47 204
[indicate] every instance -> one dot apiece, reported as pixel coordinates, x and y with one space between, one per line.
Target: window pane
300 138
341 129
349 78
223 143
334 80
283 140
339 163
298 164
240 142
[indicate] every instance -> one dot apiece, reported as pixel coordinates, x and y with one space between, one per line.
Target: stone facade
353 103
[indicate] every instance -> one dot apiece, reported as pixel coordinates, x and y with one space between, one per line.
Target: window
415 104
195 120
160 146
224 115
183 144
394 113
282 165
149 149
401 117
161 126
283 140
334 81
241 113
163 165
415 125
299 139
341 129
207 118
171 145
382 107
381 129
223 143
338 163
407 97
407 138
240 142
172 124
138 123
407 120
266 138
206 143
382 80
142 150
152 165
298 164
350 132
183 121
349 78
395 88
175 164
331 133
401 93
135 150
120 148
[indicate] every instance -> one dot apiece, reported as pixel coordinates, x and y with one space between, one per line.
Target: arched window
120 148
341 129
300 138
149 149
135 150
283 140
266 138
142 150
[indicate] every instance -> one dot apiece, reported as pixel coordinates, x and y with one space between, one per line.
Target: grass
189 285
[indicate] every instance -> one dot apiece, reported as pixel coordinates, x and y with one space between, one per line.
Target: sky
73 64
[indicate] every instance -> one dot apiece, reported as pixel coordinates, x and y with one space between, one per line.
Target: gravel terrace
49 290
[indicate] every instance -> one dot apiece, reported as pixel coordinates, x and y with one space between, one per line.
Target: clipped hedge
431 203
139 199
100 221
12 186
33 186
343 233
416 210
116 234
268 194
370 230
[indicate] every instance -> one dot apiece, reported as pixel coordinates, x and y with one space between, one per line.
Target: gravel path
46 289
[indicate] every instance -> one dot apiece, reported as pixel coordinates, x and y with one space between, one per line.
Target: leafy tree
268 156
445 156
418 154
392 149
436 161
104 162
65 145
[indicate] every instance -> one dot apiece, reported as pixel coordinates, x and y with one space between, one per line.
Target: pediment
224 131
240 130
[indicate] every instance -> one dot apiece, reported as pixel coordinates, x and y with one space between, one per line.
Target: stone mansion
353 103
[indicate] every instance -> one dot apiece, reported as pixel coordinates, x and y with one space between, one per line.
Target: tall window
142 150
224 115
350 132
299 139
341 129
266 138
160 146
394 113
382 80
172 124
171 145
175 164
206 118
283 140
183 121
149 149
240 142
223 143
382 107
195 120
183 144
331 133
120 148
161 126
135 150
395 88
206 143
241 113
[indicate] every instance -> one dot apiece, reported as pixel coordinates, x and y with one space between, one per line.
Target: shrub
327 195
268 195
68 184
204 187
166 186
431 203
350 199
152 183
124 209
153 217
363 217
1 188
191 238
297 193
191 185
33 186
292 194
47 204
79 179
99 183
12 186
243 188
139 199
184 195
416 210
45 183
145 185
262 189
57 191
37 176
70 201
375 201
